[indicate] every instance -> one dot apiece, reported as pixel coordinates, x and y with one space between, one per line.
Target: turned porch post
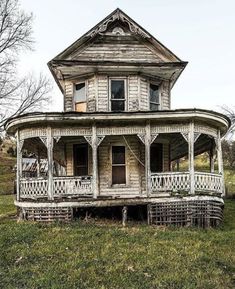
220 160
50 143
211 156
19 145
147 157
94 162
191 157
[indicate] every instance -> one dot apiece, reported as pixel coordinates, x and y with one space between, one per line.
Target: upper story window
117 94
154 99
80 97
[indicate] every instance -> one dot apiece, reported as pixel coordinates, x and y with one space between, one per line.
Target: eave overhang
58 119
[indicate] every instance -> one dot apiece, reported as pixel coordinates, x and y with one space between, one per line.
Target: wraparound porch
169 183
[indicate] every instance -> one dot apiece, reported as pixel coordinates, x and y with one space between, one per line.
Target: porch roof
28 120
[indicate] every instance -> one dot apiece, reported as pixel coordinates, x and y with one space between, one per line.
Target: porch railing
62 186
180 181
72 186
171 181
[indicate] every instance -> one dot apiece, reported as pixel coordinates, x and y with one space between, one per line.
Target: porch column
211 156
191 157
38 162
50 143
220 160
94 162
147 142
19 145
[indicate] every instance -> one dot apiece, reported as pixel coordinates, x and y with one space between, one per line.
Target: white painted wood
220 159
191 156
170 182
18 165
50 143
181 182
147 156
62 187
94 162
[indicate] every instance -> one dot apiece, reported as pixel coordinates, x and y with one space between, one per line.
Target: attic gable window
154 98
118 95
80 97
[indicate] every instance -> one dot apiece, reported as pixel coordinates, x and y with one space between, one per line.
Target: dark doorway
80 157
156 158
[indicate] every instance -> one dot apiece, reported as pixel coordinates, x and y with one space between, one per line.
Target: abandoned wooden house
118 139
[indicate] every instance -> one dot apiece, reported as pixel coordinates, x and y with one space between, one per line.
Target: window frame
118 165
159 96
125 99
74 145
74 89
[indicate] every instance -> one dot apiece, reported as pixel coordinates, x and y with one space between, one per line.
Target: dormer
116 66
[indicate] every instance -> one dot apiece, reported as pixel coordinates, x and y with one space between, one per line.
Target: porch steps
203 213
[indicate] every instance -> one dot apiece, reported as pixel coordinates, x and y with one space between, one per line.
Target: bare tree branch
24 94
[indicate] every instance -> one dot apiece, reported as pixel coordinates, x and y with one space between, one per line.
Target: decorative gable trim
118 15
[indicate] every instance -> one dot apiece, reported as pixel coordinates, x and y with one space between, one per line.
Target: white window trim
160 93
74 84
125 88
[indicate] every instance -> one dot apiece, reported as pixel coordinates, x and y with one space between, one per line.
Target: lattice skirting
201 213
46 214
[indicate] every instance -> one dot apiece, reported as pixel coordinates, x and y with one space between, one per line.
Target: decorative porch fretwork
33 132
57 138
141 136
44 140
125 130
186 136
71 131
99 139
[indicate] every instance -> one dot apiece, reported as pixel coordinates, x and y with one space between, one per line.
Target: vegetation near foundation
106 255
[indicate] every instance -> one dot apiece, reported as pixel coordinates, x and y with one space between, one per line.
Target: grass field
106 255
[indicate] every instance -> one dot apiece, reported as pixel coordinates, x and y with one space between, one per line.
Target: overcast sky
201 32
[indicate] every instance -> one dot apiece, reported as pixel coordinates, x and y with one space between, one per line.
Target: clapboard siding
68 96
133 93
69 157
132 166
137 94
90 94
165 95
103 91
135 170
118 51
144 94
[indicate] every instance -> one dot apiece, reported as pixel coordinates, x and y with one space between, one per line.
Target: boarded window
80 97
117 95
156 158
80 157
154 97
118 165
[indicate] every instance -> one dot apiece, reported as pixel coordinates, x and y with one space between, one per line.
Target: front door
80 158
156 157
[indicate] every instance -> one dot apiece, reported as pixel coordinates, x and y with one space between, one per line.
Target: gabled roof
102 26
73 57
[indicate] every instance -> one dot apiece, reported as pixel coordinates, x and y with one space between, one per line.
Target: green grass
7 175
106 255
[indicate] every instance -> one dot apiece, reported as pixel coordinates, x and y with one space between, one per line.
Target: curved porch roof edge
217 119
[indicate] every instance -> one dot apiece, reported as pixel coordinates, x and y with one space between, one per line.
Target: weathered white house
118 138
